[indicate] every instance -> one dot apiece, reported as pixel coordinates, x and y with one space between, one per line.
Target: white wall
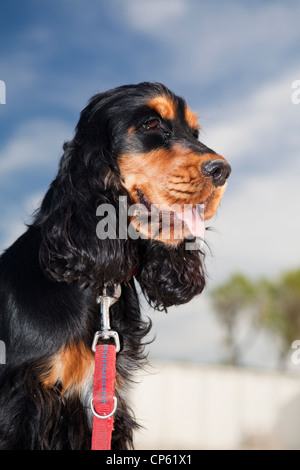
184 406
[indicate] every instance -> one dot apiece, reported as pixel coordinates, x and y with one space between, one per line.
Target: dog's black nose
217 170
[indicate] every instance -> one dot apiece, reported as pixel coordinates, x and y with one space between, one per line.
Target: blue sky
234 62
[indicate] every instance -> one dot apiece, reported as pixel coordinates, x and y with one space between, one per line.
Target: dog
140 143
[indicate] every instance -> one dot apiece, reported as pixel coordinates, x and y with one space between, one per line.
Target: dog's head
139 141
152 137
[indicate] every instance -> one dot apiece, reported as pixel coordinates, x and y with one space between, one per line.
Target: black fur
50 278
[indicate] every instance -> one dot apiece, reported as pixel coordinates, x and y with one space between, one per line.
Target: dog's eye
196 133
152 124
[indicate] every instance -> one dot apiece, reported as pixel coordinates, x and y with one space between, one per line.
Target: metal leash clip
106 301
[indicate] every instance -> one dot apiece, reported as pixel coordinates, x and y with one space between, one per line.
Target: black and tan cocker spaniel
137 143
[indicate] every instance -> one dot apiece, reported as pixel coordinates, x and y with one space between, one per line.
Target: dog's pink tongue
194 221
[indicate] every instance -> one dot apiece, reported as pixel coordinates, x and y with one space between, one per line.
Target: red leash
104 401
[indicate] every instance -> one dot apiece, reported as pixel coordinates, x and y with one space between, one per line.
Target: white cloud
200 342
14 218
209 42
263 124
157 15
35 143
258 227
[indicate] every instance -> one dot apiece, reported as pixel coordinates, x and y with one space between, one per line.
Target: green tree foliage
280 308
269 304
230 302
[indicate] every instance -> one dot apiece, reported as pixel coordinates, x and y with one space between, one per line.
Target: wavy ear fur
87 177
170 275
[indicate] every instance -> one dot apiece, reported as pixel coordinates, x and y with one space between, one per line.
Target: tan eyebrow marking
191 118
164 106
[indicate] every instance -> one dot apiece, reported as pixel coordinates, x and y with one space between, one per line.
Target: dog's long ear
88 177
171 275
